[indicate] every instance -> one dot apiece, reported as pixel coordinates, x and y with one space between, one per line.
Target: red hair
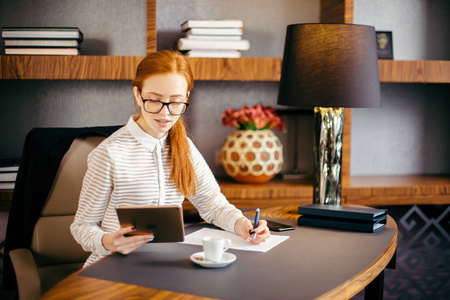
164 62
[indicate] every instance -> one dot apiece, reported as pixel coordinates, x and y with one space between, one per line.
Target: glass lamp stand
328 123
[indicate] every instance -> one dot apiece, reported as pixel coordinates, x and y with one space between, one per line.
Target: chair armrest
28 280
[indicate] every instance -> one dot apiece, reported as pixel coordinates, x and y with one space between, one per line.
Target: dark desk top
310 263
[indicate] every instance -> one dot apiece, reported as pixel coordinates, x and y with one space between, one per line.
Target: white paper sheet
237 242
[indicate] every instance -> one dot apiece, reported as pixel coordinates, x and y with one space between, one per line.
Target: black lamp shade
330 65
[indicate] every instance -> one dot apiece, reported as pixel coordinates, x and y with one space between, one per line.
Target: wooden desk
76 286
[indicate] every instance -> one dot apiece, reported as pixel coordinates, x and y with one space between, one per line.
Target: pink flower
257 117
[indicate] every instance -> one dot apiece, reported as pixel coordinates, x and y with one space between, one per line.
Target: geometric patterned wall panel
423 255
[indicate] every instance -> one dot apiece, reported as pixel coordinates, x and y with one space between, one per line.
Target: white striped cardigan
123 170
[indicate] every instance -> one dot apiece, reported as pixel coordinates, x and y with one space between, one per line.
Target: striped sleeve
211 203
94 197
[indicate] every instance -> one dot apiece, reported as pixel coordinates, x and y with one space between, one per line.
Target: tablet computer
165 223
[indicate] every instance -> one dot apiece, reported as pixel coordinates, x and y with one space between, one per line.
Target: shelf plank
363 190
252 204
332 11
236 69
418 71
151 26
398 190
68 67
346 147
80 67
276 188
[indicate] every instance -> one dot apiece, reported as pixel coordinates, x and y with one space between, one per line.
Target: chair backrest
55 251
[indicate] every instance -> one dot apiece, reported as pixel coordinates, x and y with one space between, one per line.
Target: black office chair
39 242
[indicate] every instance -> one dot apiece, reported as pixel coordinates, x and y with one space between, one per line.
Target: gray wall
265 24
410 133
403 137
110 27
265 21
118 28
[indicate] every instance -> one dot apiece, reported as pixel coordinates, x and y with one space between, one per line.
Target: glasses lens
176 108
152 106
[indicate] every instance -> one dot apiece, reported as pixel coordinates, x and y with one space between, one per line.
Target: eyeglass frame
164 104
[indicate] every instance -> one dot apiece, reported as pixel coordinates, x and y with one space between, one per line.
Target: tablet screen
165 223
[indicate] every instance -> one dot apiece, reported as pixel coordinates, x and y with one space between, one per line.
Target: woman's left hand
244 227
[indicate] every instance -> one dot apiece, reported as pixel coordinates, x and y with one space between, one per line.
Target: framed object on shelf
384 44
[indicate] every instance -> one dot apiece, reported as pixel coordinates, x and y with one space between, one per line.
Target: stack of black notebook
342 217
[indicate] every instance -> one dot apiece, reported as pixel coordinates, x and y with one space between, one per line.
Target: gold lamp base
328 124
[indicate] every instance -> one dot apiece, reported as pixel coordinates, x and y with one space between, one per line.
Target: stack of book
352 218
213 38
8 173
42 40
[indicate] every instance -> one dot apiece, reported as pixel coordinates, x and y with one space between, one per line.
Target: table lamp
328 67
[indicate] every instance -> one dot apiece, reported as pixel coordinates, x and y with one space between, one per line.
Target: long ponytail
164 62
183 173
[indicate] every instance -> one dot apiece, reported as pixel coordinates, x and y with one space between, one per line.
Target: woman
150 161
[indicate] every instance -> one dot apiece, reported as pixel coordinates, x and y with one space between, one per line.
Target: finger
261 228
260 238
129 244
261 233
138 239
129 248
125 230
121 241
262 225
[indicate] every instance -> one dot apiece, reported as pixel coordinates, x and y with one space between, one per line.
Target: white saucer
199 258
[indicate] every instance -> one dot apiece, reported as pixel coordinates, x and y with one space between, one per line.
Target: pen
255 224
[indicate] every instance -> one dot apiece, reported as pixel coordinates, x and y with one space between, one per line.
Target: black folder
346 224
344 212
363 219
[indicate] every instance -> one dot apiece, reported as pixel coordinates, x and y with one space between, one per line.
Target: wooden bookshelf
237 69
263 195
398 190
419 71
363 190
336 11
85 67
76 67
151 26
371 190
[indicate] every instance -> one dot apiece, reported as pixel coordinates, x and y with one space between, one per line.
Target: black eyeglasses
155 106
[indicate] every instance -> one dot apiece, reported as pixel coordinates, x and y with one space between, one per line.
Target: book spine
212 24
42 33
42 51
187 44
41 43
335 214
335 224
213 53
215 31
214 37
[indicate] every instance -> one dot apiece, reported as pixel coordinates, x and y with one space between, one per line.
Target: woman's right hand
118 242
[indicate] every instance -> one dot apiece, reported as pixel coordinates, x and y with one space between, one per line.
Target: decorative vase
252 155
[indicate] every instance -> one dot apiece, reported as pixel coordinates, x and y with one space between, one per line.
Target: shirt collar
143 137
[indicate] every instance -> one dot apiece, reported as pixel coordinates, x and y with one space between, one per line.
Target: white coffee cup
214 247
